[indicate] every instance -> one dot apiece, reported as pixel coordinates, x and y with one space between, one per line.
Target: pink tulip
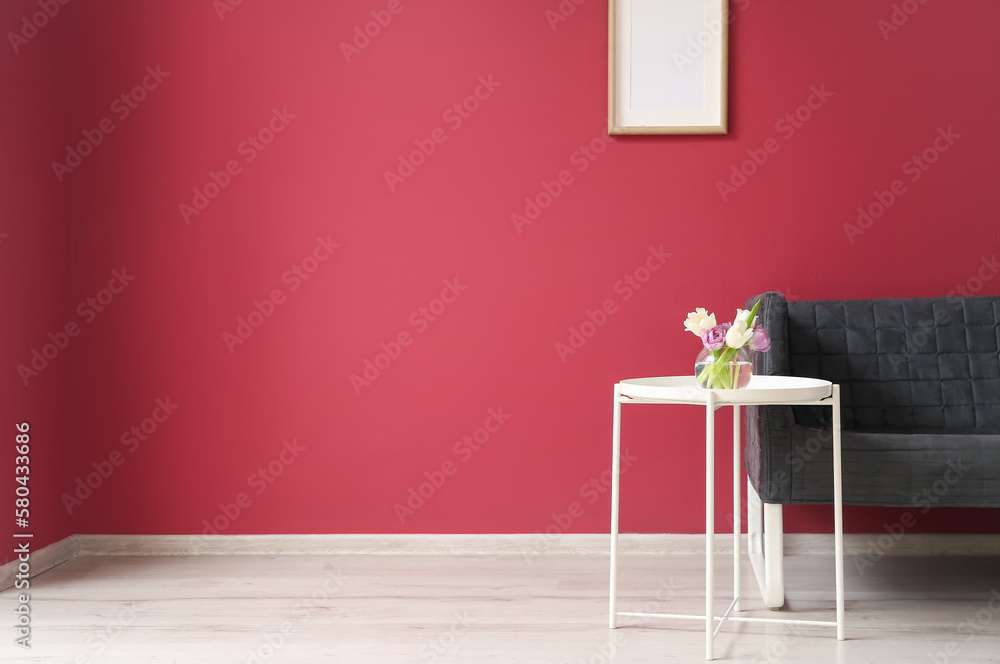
715 338
759 341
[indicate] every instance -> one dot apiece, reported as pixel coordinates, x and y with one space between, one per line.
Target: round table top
760 390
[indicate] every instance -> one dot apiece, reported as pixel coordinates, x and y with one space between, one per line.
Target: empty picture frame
667 66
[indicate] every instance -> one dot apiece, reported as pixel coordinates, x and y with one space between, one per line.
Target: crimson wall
374 267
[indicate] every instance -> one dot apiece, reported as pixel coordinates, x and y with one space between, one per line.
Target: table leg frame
709 524
737 512
615 485
710 618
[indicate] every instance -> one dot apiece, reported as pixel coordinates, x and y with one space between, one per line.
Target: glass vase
723 369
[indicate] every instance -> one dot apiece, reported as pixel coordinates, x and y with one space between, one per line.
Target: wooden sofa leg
766 548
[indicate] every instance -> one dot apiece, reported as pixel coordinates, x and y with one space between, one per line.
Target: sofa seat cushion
917 470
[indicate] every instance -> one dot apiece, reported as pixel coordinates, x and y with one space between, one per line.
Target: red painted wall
35 267
327 306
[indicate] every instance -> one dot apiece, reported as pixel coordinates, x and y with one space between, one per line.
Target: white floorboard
369 609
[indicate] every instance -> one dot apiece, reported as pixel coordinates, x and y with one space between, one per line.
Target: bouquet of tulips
723 342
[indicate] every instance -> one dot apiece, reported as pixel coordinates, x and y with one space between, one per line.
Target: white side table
762 390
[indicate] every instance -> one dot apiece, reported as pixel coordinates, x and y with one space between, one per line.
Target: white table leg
764 520
737 521
615 463
709 523
838 513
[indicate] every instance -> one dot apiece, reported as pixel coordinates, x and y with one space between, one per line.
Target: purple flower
759 341
715 338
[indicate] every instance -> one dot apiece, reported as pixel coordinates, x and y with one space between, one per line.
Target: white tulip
698 321
738 334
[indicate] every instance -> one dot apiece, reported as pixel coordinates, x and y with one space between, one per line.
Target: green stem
721 374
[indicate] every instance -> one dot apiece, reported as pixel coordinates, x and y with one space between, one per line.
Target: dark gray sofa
920 402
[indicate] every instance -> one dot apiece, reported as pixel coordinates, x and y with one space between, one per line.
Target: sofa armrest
768 429
773 315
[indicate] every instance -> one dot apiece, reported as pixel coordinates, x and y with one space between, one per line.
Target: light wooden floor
422 608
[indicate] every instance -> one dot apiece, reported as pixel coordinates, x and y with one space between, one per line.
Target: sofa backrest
922 364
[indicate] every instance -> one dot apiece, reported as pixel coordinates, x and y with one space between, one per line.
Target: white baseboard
517 544
41 560
528 545
531 545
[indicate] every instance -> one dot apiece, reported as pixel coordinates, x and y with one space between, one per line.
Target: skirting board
41 560
532 545
529 546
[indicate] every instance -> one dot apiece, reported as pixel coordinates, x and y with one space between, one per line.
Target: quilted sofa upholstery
920 402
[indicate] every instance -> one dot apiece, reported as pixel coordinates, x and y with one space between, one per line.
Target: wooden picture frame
668 66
